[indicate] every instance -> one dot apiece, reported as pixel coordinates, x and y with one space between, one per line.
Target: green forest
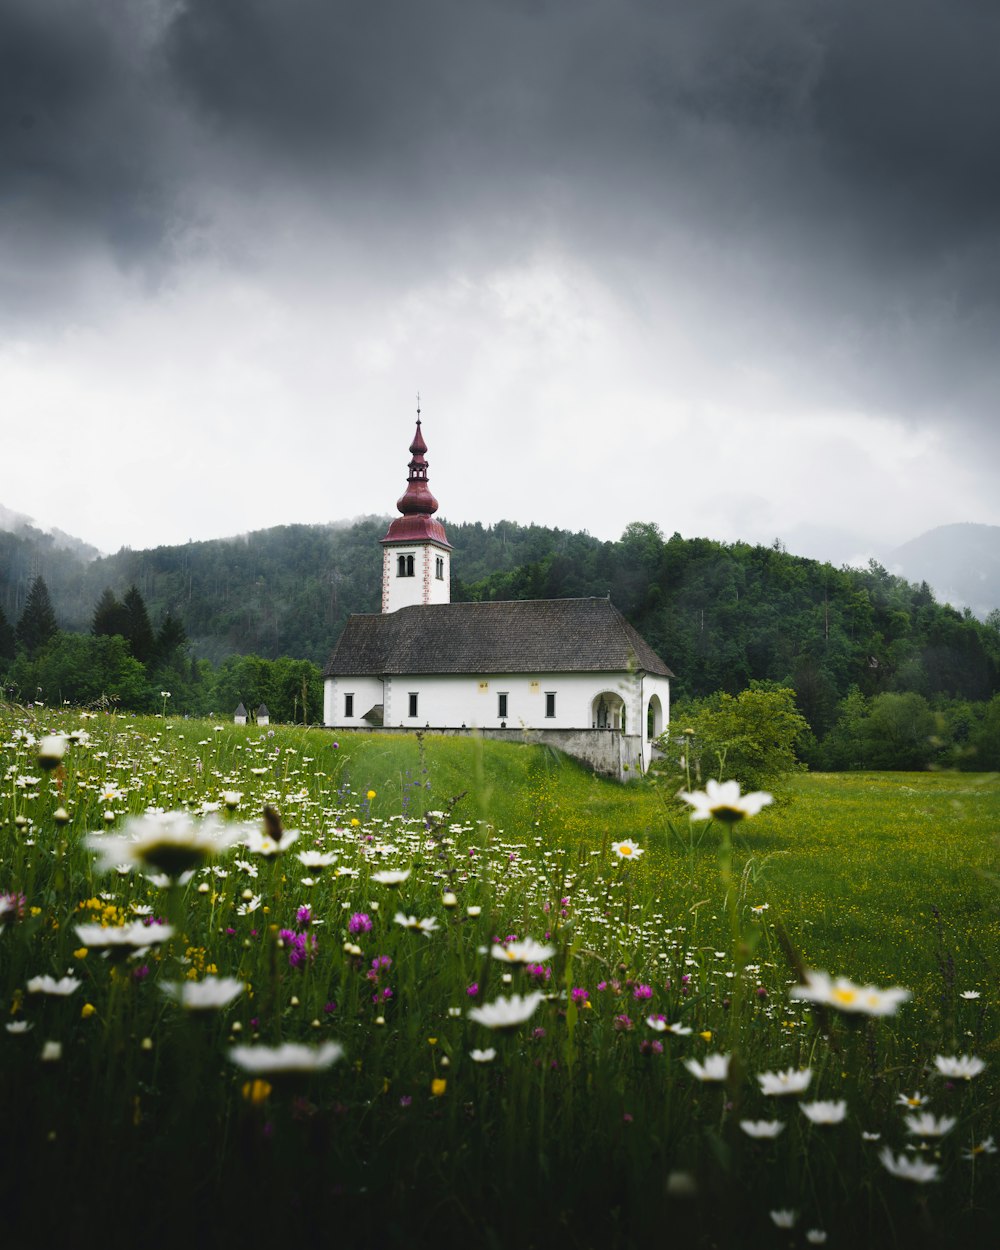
883 674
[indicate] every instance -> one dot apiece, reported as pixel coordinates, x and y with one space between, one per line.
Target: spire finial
418 407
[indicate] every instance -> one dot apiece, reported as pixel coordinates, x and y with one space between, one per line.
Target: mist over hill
961 562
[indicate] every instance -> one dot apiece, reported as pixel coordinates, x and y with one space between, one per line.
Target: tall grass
586 1126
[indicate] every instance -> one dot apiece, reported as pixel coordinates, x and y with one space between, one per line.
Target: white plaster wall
456 700
367 692
451 701
423 587
659 686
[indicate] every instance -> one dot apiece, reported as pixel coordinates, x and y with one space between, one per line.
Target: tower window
502 706
413 704
439 568
404 566
348 706
550 703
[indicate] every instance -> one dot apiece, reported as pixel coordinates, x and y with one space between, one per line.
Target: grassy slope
852 864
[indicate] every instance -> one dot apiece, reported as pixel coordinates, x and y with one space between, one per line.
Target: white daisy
791 1081
721 800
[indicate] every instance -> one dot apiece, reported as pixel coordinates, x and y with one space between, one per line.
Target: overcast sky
730 266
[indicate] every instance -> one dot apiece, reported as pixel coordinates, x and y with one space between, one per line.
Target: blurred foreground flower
791 1081
426 927
123 939
762 1128
928 1125
715 1068
289 1057
260 842
721 800
316 861
211 994
168 842
659 1025
907 1168
986 1147
527 952
391 876
824 1112
49 985
506 1013
959 1067
51 750
867 1000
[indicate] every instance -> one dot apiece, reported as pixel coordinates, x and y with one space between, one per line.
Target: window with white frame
550 703
413 704
439 568
502 706
404 566
348 706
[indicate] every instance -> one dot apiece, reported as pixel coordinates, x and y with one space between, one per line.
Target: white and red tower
416 553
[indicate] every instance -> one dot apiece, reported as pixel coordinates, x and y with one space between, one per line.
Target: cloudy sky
730 266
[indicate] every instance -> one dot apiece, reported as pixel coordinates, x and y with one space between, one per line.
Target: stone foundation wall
606 751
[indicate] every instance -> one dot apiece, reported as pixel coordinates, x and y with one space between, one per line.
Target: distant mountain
961 563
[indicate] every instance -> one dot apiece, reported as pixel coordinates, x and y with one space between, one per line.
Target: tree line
856 646
124 662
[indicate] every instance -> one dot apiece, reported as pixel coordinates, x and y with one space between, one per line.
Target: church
571 673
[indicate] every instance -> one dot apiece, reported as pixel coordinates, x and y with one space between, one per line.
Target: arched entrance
654 718
608 711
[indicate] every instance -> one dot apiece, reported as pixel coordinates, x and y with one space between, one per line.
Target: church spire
417 499
417 504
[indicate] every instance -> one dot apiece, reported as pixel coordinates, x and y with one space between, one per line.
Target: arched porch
608 711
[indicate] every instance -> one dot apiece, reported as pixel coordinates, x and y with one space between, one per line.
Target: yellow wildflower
87 1010
257 1091
438 1086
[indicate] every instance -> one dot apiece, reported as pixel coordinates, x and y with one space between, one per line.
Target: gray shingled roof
517 636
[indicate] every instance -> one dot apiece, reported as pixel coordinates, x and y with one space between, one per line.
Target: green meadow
376 910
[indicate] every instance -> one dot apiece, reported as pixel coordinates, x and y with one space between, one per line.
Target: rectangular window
348 706
413 705
439 566
502 706
550 703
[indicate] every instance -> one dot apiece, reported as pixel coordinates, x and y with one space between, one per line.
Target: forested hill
720 614
281 591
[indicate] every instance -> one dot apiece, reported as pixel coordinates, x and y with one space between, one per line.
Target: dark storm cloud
888 114
84 143
848 149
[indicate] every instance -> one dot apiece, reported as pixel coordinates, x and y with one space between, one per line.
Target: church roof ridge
495 636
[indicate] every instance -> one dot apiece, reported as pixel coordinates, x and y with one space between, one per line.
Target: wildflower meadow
271 983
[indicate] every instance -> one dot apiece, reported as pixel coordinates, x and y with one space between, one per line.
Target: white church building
569 672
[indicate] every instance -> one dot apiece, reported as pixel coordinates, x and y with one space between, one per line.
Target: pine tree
171 637
37 625
8 640
110 616
138 629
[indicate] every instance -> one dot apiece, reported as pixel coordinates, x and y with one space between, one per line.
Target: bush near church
751 737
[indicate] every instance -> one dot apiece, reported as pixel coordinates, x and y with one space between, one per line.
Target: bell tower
416 553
